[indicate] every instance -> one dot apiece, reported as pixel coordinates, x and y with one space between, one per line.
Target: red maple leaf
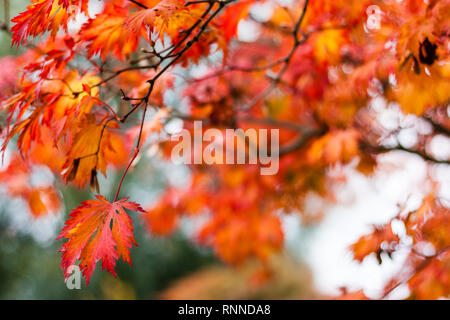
98 230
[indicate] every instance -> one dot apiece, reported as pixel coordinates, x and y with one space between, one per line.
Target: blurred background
315 263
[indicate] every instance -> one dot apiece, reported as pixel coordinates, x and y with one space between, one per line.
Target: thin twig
136 152
139 4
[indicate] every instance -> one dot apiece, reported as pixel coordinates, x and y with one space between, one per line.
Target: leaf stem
136 152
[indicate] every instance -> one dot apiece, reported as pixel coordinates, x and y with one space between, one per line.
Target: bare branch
384 149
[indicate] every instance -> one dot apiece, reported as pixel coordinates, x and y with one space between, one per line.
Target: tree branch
384 149
139 4
300 142
419 268
286 61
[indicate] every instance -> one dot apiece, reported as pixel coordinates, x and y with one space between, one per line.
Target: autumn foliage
91 99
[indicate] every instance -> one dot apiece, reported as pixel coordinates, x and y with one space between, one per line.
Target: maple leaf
433 281
232 15
42 16
105 34
371 243
235 239
52 103
430 222
94 147
420 91
161 15
340 145
41 200
69 105
327 45
161 220
98 230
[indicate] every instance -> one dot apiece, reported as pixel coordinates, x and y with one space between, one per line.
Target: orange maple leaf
42 16
335 146
161 15
94 147
105 34
98 230
371 243
41 200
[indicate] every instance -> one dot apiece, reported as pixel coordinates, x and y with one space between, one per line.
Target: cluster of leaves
426 268
312 71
